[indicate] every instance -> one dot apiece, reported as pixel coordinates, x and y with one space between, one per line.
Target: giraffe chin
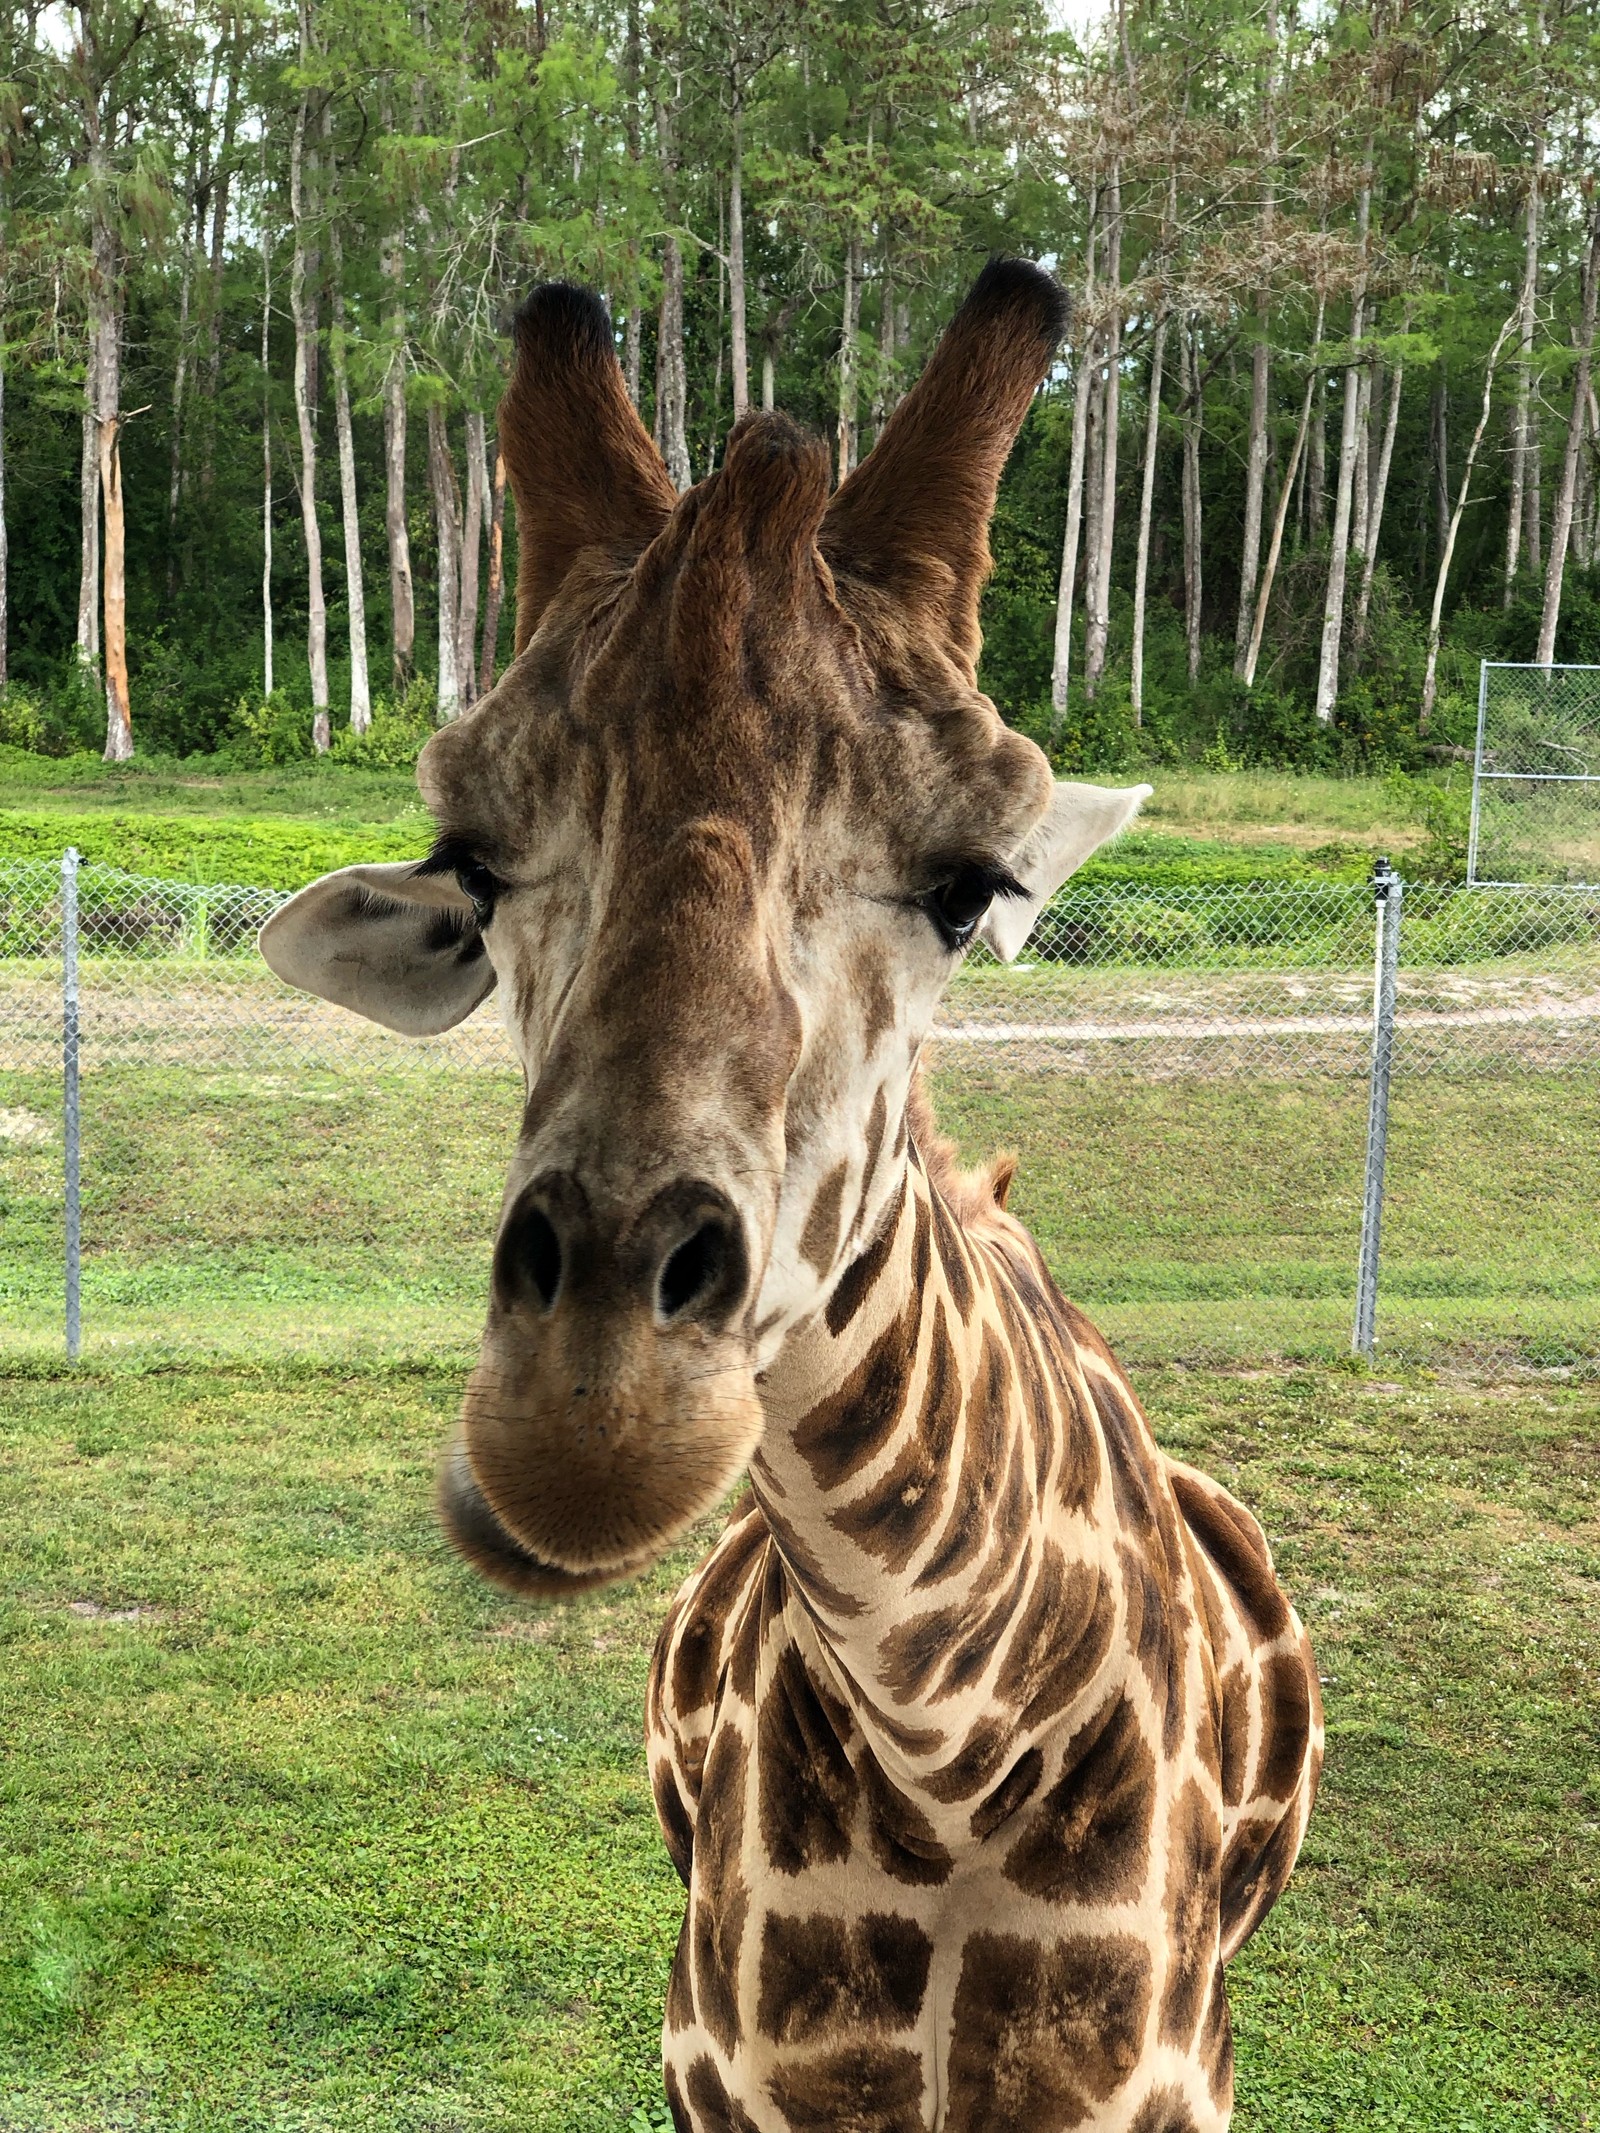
551 1487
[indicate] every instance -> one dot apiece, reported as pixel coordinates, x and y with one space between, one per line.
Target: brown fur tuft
583 470
913 519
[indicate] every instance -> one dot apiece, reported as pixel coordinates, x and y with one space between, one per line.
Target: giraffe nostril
530 1254
696 1268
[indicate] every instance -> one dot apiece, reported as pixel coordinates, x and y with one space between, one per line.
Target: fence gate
1535 776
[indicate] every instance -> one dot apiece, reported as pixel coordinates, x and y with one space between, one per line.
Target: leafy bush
400 726
63 720
271 730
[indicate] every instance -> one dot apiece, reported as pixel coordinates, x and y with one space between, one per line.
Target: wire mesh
1536 776
1184 1072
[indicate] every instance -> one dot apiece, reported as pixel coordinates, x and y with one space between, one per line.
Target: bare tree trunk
447 524
219 232
1316 491
1255 482
632 328
1141 567
1380 490
5 539
355 585
1193 423
850 325
266 454
119 719
1061 661
105 276
471 545
402 595
493 593
672 378
1255 473
1526 321
179 378
89 507
1097 586
1430 679
1361 485
738 345
1344 496
1275 548
1561 525
299 304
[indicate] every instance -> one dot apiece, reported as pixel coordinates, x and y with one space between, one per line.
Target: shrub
400 726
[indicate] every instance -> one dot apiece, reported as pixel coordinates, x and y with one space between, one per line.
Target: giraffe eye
479 887
957 905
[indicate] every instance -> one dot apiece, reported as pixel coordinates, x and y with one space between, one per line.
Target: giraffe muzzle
614 1399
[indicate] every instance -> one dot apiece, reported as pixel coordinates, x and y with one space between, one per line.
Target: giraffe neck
931 1471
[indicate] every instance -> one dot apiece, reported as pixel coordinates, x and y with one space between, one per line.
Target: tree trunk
105 274
1344 496
672 378
119 721
1255 482
850 326
471 546
1141 566
1193 422
496 585
266 458
89 506
1361 482
1061 662
447 526
1316 490
179 377
299 305
1275 548
1380 490
402 595
5 541
1097 585
1430 679
738 345
1561 524
1255 468
219 232
355 585
1519 420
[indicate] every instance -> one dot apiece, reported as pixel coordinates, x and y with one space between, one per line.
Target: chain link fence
1256 1122
1536 775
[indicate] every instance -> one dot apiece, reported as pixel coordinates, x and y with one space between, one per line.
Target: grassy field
1194 1217
306 1829
278 828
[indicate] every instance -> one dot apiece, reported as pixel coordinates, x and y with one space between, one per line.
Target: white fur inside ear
1079 820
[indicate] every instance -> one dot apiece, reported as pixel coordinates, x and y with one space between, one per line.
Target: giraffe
985 1735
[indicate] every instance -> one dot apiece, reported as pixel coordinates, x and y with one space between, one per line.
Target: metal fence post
1388 892
1474 817
69 1106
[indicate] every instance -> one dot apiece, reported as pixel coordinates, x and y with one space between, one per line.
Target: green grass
305 1829
199 821
1195 1217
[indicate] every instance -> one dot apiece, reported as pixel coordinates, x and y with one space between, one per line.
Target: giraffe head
720 838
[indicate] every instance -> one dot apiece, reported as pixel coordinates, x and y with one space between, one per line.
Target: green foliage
271 853
400 727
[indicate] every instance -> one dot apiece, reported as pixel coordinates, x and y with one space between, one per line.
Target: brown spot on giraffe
1046 2030
720 836
823 1976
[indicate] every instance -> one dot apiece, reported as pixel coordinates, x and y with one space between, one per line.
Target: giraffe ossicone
985 1734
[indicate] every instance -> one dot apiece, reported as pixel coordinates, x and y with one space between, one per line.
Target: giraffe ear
582 467
402 948
913 519
1079 820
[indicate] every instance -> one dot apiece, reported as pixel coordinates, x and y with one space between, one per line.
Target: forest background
1323 434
